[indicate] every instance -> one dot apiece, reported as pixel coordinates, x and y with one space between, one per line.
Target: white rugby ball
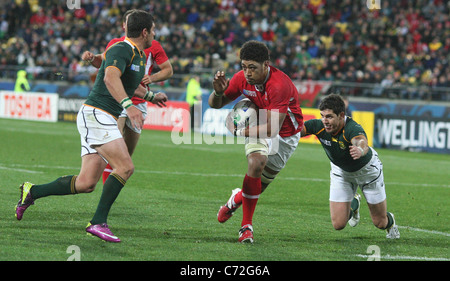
243 114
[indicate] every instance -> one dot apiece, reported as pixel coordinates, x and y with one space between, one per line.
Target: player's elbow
169 72
108 80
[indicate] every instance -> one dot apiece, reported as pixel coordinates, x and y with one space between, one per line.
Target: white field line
385 257
222 175
389 257
3 166
20 170
424 230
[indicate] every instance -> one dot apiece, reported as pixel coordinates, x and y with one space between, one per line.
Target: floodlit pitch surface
167 210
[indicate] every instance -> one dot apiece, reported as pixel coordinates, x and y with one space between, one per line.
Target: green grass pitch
167 210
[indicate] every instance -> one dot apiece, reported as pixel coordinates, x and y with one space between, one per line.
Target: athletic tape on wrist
126 103
149 96
239 132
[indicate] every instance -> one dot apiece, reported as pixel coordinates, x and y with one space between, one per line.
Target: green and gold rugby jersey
126 57
337 146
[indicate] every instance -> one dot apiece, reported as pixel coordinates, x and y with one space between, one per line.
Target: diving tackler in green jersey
337 146
126 57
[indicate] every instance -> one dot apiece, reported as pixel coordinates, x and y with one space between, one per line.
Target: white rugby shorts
278 149
96 127
343 185
143 108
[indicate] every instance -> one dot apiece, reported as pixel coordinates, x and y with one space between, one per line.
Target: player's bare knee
85 187
89 189
130 170
380 222
85 184
256 165
339 225
338 222
125 171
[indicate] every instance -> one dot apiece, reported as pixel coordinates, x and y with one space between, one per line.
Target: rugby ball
243 115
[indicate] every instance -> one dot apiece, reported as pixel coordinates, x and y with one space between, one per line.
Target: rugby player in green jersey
353 164
118 78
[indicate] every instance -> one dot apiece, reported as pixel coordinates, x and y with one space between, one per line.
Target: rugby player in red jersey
269 144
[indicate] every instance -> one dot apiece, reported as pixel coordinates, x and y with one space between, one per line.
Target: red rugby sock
251 189
106 173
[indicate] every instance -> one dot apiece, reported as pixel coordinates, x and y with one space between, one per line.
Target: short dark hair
333 102
255 51
137 21
124 17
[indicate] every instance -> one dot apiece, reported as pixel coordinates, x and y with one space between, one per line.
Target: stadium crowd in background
403 43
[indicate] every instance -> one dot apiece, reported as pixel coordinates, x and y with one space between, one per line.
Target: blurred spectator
193 95
22 84
332 40
193 91
78 72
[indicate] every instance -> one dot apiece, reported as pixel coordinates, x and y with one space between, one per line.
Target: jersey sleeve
353 130
313 126
160 55
114 41
117 56
234 87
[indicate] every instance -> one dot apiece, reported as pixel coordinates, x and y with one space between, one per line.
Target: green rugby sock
353 206
61 186
111 189
390 220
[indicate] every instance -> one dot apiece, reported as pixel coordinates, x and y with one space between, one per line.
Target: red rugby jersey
279 94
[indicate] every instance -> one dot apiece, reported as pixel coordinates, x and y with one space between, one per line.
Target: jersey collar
260 87
132 44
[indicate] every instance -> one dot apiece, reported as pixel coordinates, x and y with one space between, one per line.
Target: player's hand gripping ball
243 115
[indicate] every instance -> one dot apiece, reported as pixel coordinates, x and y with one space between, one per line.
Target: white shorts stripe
96 127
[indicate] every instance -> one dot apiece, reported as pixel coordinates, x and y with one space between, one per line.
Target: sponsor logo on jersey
326 142
249 93
135 67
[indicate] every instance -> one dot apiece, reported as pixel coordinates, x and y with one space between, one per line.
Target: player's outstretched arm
158 99
303 132
94 60
165 72
220 84
359 147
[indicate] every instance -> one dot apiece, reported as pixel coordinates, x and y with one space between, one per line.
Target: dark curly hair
333 102
255 51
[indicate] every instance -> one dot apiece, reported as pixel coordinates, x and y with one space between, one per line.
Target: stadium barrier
413 133
29 106
175 116
391 123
